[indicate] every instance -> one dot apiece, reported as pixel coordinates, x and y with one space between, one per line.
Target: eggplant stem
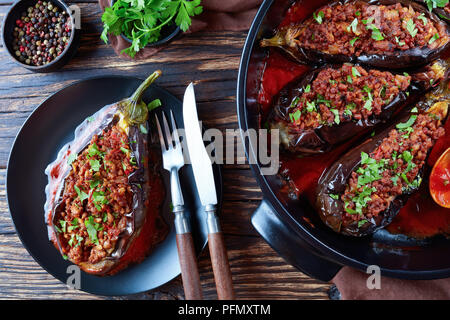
276 41
137 95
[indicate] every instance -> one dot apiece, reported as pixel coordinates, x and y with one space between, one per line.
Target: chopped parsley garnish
353 26
362 222
94 151
400 43
411 27
334 196
372 170
352 42
294 102
92 228
432 4
307 89
99 198
349 79
376 33
422 17
95 183
355 72
73 225
71 158
369 100
434 38
295 116
310 106
81 194
321 99
154 104
63 224
408 123
336 116
95 165
319 17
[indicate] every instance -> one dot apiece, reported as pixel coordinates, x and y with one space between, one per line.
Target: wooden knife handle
189 268
221 267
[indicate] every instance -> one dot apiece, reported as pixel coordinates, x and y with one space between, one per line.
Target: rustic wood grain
212 60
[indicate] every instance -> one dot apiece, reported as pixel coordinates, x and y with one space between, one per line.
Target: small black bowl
168 33
15 12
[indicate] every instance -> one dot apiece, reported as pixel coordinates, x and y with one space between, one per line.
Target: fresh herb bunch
142 20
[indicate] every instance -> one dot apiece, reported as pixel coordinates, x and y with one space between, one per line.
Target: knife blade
204 179
200 161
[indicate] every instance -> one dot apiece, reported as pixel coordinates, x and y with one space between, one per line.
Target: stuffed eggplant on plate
98 192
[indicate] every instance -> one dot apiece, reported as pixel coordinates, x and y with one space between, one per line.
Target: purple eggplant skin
333 181
324 138
285 40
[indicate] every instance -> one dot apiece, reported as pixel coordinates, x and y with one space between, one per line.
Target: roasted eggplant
98 186
383 34
334 103
366 188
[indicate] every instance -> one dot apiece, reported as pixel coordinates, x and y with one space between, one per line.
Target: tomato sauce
420 218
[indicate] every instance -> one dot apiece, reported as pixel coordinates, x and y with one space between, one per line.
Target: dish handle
290 246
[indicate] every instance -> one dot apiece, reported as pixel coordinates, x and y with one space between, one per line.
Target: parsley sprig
141 21
433 4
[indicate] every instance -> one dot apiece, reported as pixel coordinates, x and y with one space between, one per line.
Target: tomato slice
440 180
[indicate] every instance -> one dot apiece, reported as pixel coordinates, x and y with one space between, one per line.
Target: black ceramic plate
47 129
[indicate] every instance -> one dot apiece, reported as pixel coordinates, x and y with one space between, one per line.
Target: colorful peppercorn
41 34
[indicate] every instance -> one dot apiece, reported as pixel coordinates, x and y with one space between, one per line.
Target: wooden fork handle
189 268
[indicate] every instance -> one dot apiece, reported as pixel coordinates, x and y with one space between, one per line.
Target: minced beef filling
96 197
345 94
391 168
356 28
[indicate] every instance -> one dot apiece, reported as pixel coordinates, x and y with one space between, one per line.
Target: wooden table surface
211 59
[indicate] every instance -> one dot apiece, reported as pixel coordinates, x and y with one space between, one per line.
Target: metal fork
173 160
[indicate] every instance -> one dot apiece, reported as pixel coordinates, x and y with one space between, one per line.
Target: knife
204 179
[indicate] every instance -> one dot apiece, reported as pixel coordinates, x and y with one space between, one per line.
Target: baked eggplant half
98 187
334 103
383 34
366 188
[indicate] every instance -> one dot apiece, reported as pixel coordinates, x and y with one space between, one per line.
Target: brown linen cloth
232 15
352 285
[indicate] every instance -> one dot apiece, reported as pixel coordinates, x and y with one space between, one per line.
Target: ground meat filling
355 28
345 94
391 169
96 197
